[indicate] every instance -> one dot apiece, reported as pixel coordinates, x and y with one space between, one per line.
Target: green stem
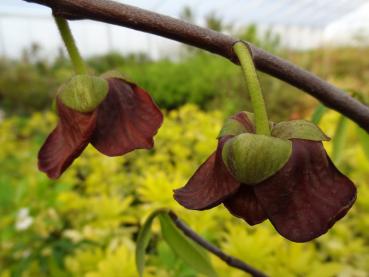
66 34
253 85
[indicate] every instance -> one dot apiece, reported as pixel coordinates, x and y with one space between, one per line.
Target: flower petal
308 195
127 119
67 140
210 184
244 204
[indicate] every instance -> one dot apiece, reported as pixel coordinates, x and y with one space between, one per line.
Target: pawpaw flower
287 178
112 114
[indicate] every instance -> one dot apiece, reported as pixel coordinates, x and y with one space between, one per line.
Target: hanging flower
112 114
287 178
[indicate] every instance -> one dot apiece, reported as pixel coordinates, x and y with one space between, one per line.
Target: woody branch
215 42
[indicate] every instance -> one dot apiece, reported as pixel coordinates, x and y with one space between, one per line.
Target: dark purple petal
245 205
210 184
127 119
67 140
308 195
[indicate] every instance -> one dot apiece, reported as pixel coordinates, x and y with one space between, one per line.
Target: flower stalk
66 34
253 86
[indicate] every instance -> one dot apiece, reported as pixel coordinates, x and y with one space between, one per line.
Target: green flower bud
253 158
83 93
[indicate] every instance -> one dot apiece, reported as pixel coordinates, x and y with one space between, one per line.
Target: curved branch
221 44
231 261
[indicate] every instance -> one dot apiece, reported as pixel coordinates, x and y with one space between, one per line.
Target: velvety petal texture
308 195
67 140
245 205
127 119
303 198
210 184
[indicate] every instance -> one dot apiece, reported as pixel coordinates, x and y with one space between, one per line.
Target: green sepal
251 116
112 74
232 127
253 158
83 93
298 129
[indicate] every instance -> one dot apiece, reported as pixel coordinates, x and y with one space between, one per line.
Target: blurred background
86 223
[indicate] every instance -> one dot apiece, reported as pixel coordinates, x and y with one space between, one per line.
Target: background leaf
339 139
364 141
143 240
187 250
318 113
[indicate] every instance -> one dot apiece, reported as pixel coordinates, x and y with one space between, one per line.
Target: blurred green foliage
196 77
203 79
85 224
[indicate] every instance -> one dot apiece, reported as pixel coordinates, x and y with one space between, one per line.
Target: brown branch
231 261
150 22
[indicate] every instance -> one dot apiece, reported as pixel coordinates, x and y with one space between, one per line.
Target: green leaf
83 93
186 249
298 129
143 240
253 158
318 114
364 140
339 139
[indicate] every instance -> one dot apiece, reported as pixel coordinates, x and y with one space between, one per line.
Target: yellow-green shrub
85 223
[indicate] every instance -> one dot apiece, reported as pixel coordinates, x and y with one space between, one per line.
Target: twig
150 22
231 261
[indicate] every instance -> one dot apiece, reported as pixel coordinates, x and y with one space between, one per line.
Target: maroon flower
302 199
127 119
